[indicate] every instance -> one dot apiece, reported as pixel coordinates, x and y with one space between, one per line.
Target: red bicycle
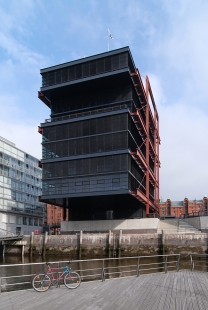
41 282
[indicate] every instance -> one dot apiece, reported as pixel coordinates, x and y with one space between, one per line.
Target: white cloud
183 149
184 152
24 133
17 51
25 137
182 47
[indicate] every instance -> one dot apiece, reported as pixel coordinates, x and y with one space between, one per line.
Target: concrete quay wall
105 225
112 243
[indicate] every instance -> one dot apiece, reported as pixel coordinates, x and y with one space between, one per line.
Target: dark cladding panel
94 126
100 66
87 184
85 69
92 99
111 163
89 145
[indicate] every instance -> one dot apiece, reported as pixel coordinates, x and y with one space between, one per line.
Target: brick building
184 208
55 215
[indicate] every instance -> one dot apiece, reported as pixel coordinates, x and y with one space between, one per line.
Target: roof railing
87 113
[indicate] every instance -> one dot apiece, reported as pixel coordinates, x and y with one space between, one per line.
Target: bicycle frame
51 273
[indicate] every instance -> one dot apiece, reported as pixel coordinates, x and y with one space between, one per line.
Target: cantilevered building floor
100 147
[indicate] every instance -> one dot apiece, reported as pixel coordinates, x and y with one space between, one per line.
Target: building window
168 208
24 220
11 219
19 220
186 207
4 218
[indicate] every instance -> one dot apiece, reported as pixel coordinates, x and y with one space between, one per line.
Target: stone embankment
163 238
111 244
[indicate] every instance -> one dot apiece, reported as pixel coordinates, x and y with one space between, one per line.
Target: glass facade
20 186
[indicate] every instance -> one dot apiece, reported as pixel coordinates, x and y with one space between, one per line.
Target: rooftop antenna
109 37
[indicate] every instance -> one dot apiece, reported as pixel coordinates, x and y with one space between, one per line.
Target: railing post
191 262
166 264
103 272
177 264
58 283
138 271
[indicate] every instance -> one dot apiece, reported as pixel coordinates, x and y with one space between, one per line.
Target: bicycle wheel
72 280
41 282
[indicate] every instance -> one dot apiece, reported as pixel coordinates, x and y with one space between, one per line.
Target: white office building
20 186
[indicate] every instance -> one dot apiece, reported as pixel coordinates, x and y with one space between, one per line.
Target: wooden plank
175 290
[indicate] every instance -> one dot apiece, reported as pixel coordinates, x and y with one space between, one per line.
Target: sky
169 43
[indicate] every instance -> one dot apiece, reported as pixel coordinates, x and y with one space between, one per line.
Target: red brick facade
55 215
185 207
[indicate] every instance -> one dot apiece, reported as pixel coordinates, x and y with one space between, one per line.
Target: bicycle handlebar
48 264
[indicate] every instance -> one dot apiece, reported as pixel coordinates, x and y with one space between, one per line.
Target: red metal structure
150 133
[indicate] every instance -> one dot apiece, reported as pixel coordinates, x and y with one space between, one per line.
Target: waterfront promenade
183 290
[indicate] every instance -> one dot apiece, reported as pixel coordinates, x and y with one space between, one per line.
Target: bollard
23 249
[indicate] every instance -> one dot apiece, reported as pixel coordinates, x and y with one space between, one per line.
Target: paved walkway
184 290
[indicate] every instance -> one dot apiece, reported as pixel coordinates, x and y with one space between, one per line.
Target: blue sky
169 43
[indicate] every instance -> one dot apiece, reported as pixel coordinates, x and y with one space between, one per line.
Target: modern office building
20 188
100 147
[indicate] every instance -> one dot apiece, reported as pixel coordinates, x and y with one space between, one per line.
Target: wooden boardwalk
183 290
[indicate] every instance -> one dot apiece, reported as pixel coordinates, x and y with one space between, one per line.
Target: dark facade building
100 148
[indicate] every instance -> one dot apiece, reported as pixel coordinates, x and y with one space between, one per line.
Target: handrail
106 268
196 261
8 235
87 113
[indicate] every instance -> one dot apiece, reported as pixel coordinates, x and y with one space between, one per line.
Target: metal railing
184 216
199 261
8 235
4 232
88 113
91 269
